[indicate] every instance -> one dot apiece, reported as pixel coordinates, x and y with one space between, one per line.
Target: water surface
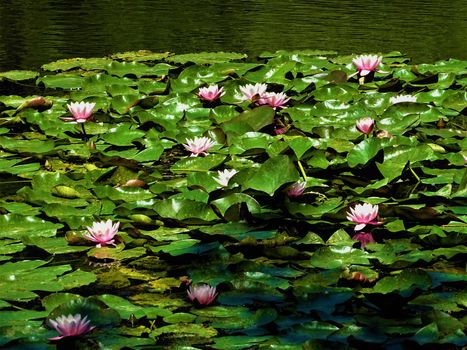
33 32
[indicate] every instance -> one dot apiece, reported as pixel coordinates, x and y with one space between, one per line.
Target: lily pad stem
15 182
418 180
322 197
85 136
300 166
414 174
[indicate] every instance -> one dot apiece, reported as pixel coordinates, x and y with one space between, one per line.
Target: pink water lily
203 294
102 233
224 177
211 93
363 214
274 99
281 130
199 145
402 98
80 111
364 238
366 64
253 92
296 189
70 326
365 125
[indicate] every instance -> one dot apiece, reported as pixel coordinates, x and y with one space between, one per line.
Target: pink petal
58 337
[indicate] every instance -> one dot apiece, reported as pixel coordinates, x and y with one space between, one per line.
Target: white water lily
255 91
225 176
199 145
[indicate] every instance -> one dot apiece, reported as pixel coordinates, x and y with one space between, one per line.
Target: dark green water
33 32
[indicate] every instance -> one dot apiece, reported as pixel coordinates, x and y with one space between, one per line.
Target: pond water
36 32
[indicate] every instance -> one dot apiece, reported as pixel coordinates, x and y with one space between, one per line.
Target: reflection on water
33 32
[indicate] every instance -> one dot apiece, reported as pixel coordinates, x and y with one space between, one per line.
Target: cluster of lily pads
218 201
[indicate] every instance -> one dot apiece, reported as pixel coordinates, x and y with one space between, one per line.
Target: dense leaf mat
288 273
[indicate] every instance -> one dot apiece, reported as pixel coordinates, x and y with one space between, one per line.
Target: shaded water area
36 32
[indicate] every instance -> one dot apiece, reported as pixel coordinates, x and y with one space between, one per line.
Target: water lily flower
204 294
102 233
225 176
363 214
199 145
365 125
402 98
80 111
274 99
296 189
253 92
364 238
366 64
281 130
70 326
211 93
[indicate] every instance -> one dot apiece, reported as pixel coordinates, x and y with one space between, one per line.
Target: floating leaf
70 63
16 226
207 57
62 81
140 55
182 209
272 174
18 75
364 151
405 282
138 69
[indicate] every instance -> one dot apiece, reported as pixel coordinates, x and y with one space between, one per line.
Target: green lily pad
70 63
138 69
19 75
206 57
405 282
272 174
95 311
181 209
62 81
17 226
364 151
25 277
